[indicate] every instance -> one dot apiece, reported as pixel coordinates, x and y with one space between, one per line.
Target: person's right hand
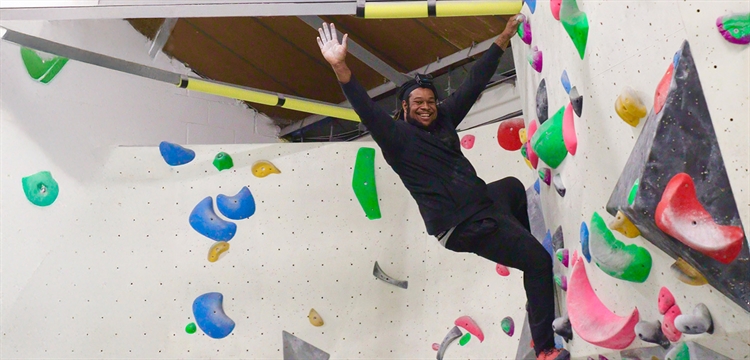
333 51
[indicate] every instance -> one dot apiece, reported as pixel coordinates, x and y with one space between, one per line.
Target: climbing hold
469 325
536 59
237 207
41 66
562 256
622 224
522 136
569 130
662 90
735 28
548 142
315 318
40 189
507 134
682 216
533 157
626 262
502 270
565 81
561 326
687 274
435 346
524 29
576 100
585 241
698 323
222 161
537 186
629 107
666 300
591 319
633 192
547 243
210 316
562 282
263 168
555 7
546 175
216 250
542 106
298 349
679 352
190 328
464 339
363 182
558 242
668 326
651 332
531 4
378 273
175 154
452 335
576 24
205 221
602 357
559 187
509 327
467 142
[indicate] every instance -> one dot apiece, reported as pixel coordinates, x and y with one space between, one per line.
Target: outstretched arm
461 101
334 52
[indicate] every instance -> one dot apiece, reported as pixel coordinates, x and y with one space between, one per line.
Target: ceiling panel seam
362 41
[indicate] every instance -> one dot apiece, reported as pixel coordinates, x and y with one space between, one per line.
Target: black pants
502 234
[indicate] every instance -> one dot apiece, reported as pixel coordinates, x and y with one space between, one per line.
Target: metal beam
162 35
362 54
389 86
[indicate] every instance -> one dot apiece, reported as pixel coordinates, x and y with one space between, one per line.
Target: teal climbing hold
42 69
548 142
576 24
41 189
363 183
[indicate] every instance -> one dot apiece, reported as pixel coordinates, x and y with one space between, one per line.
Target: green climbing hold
576 24
363 182
548 142
464 339
223 161
190 328
679 352
626 262
42 69
633 192
41 189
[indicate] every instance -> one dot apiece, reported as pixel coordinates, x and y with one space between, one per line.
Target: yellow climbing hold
217 249
687 274
622 224
630 107
522 135
264 168
315 318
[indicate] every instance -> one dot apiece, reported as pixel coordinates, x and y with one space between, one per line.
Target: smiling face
422 106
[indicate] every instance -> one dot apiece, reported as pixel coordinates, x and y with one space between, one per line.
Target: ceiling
280 54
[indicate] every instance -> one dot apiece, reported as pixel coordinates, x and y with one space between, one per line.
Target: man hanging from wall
459 208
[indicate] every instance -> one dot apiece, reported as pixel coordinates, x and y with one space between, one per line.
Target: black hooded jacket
429 160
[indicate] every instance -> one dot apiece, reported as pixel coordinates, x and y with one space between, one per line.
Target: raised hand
333 51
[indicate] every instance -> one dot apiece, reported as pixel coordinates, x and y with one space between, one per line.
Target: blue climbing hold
537 187
210 316
565 81
238 207
676 58
532 5
585 241
205 221
547 243
175 154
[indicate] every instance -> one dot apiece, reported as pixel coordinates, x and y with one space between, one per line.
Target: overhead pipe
435 8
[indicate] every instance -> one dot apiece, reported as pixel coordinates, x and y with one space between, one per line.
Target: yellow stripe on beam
321 109
396 10
233 92
445 8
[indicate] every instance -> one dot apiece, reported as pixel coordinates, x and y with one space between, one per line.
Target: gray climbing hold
559 186
452 335
298 349
651 332
378 272
542 106
557 239
697 323
576 100
561 326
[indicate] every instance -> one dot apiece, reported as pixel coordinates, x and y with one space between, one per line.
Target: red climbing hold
682 216
666 300
467 142
468 323
663 89
507 134
667 326
502 270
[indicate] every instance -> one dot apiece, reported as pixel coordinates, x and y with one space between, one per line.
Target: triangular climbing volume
677 161
298 349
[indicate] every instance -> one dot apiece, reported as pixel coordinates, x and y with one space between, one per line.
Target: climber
459 208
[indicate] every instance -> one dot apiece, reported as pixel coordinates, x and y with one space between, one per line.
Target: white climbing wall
631 43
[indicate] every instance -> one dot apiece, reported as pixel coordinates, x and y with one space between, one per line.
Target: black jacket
429 160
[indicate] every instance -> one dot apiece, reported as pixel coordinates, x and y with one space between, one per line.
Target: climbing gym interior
147 211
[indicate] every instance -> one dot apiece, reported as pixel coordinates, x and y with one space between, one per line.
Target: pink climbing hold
666 300
546 176
536 59
533 157
502 270
469 325
668 327
681 215
435 346
467 142
507 134
555 6
569 130
590 318
660 97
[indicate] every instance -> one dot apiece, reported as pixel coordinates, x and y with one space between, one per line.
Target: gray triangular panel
297 349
